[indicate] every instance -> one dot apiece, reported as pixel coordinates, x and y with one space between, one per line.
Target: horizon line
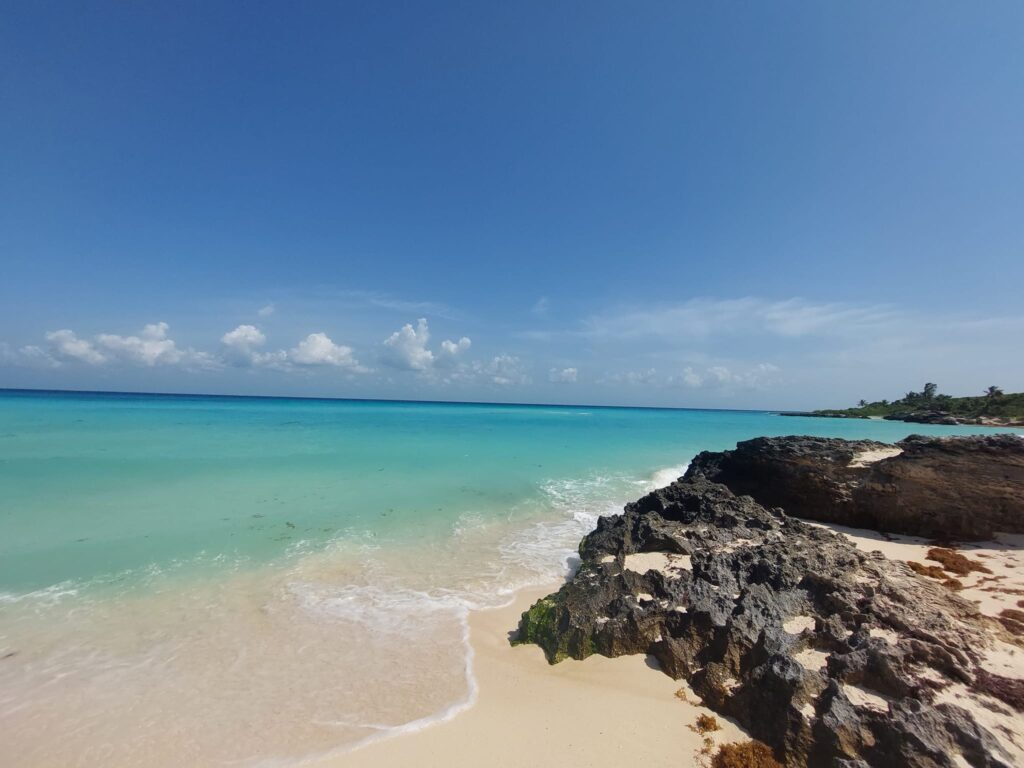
35 390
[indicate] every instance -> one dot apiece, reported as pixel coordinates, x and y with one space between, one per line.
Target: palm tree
929 391
993 393
861 403
992 396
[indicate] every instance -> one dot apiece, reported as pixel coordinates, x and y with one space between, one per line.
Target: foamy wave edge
386 732
658 479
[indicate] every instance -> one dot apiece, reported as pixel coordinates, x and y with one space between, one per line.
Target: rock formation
829 655
952 487
944 417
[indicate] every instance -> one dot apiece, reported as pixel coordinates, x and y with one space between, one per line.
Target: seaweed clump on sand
747 754
705 724
955 563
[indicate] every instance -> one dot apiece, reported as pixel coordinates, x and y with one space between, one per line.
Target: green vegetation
540 625
992 403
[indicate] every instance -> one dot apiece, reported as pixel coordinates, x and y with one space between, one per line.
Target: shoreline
571 711
314 586
597 711
568 712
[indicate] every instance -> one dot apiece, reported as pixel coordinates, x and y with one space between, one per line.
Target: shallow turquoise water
100 485
213 581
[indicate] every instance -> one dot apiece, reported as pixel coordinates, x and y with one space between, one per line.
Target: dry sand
596 712
864 458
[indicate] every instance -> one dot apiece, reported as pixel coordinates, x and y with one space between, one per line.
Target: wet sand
596 712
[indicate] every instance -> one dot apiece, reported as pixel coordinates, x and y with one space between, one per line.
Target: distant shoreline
942 418
992 408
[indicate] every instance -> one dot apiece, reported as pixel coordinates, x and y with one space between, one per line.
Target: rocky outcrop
944 417
925 417
940 487
829 655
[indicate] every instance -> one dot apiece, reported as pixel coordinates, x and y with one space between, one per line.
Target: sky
692 204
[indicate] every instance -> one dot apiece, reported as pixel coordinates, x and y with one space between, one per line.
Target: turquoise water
95 485
278 578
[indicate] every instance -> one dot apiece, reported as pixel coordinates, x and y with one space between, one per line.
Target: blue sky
689 204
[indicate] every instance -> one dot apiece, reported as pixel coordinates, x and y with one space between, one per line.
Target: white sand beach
596 712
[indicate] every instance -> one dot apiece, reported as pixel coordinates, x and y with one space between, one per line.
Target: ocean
199 580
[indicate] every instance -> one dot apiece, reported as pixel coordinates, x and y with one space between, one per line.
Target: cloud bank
151 347
243 347
750 352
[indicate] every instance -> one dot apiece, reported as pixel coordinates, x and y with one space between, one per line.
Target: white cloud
562 375
66 344
541 306
452 348
151 347
266 310
244 338
407 348
242 347
318 349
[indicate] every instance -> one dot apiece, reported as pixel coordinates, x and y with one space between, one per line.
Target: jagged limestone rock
824 652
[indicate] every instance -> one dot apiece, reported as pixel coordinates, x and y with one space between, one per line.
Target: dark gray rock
726 624
940 487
